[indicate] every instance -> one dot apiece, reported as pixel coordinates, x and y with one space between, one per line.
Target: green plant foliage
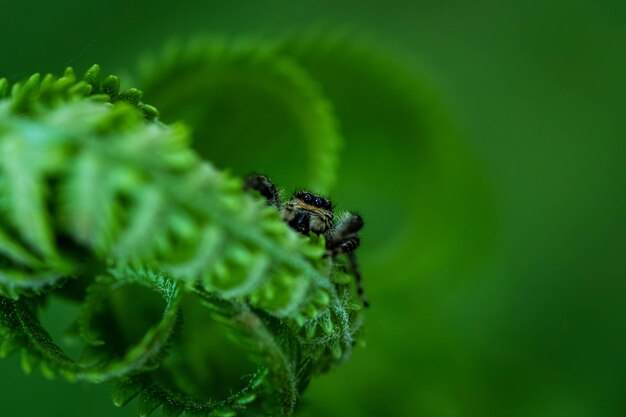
218 88
99 200
375 106
385 109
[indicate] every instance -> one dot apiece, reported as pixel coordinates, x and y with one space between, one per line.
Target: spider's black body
306 212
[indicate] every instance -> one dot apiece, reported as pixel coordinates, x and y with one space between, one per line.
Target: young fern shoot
167 221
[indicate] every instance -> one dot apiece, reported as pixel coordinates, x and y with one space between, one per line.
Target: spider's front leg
343 238
265 186
349 245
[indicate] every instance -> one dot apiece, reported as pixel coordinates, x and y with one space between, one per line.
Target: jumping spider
306 212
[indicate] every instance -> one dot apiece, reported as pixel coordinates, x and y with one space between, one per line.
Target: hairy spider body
306 212
307 217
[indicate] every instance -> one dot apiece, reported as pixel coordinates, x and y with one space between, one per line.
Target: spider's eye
307 198
318 202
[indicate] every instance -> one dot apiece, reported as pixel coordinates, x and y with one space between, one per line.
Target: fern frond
40 350
273 386
90 176
191 76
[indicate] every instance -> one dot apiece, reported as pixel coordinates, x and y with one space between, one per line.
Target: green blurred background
492 187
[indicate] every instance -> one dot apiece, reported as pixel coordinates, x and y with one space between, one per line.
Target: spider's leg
348 246
344 230
359 279
343 239
265 186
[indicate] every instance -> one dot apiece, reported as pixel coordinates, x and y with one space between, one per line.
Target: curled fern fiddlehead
97 194
219 73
